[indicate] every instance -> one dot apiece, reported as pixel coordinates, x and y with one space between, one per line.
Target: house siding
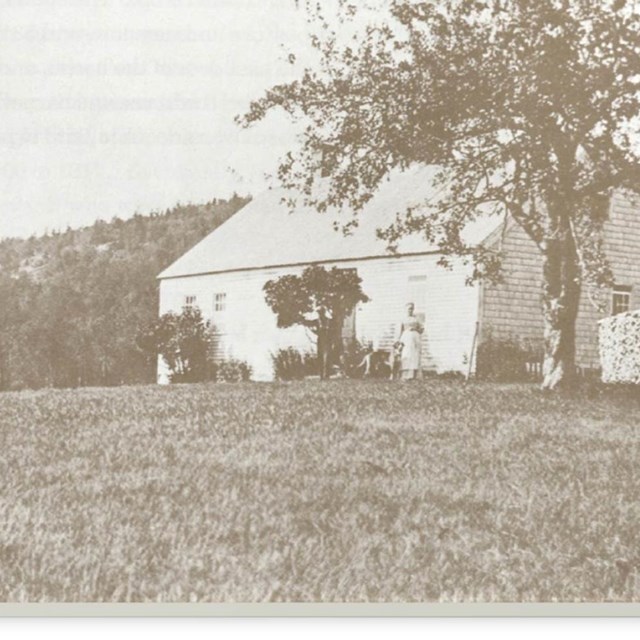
450 308
512 309
247 328
622 243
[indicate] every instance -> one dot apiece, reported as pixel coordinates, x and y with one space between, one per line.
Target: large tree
528 107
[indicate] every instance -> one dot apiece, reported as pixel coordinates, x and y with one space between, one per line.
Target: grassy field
342 491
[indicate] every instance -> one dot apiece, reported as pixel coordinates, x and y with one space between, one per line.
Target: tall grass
342 491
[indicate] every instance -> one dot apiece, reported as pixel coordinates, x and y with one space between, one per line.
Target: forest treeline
72 303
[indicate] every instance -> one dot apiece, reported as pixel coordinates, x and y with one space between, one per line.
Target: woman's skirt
410 359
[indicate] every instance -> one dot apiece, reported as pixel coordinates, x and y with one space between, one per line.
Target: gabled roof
266 233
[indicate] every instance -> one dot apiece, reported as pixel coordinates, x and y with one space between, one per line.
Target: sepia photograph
320 304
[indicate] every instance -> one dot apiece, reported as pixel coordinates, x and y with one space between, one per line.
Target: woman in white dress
410 341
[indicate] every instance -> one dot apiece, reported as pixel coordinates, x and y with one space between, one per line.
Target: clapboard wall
247 330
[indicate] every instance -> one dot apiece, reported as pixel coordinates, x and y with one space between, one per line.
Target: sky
112 107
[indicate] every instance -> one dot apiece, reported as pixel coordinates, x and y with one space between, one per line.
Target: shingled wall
512 309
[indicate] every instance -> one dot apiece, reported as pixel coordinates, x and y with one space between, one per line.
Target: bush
311 364
619 344
291 364
233 371
456 376
183 340
505 360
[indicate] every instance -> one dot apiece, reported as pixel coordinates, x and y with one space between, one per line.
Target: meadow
344 491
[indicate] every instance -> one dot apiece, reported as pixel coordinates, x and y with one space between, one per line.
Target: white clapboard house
224 275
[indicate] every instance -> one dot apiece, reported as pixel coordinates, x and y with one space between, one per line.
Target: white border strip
317 609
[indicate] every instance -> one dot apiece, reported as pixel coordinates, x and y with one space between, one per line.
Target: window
219 302
620 299
190 302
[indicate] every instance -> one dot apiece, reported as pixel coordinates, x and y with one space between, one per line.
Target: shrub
291 364
505 360
452 375
183 340
233 371
619 344
311 364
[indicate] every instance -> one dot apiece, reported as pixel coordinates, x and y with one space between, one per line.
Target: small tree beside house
183 341
319 299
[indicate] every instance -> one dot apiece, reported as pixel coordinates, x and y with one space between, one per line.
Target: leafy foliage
528 108
74 302
291 364
505 360
233 370
319 299
183 340
619 345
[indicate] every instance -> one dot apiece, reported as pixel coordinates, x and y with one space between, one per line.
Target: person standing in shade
410 343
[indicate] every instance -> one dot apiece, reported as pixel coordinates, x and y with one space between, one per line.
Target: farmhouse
225 273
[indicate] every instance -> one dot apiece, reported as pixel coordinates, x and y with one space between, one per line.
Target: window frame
620 299
219 302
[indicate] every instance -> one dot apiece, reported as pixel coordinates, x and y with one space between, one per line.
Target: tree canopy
73 302
529 108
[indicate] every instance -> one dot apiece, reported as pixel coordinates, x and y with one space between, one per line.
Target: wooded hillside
73 302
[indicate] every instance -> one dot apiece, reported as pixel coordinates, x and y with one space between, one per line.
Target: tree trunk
323 351
560 300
